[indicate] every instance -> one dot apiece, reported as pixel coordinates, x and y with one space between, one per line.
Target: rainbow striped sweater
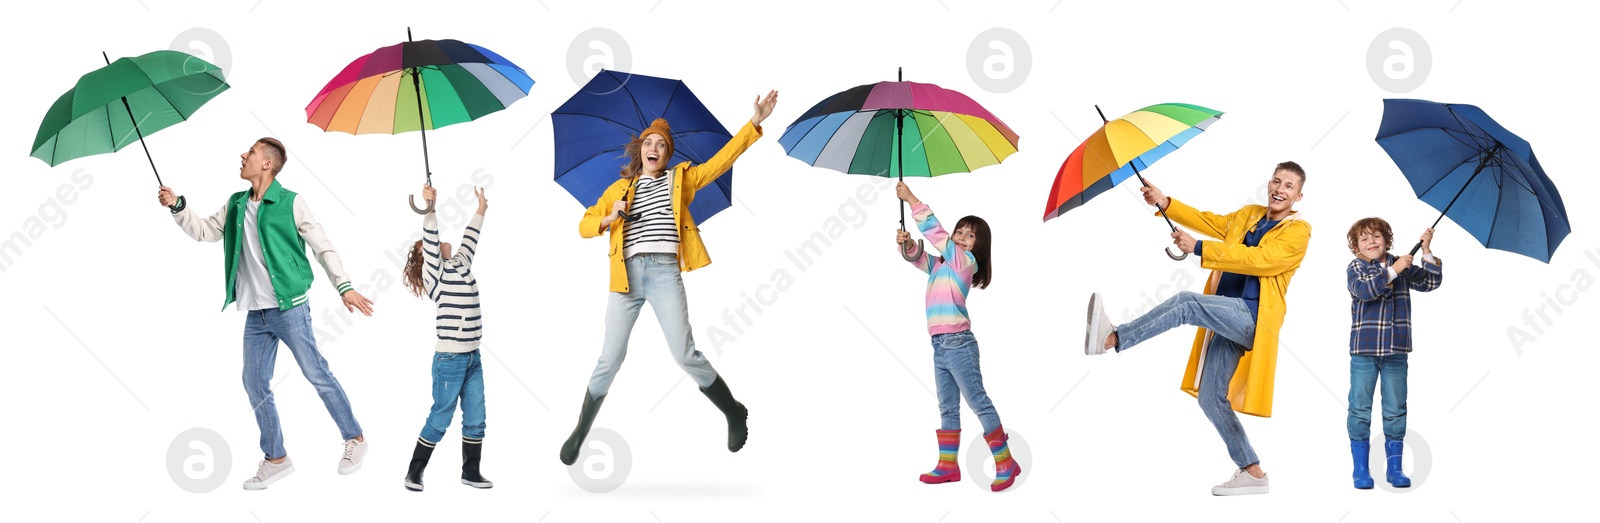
949 275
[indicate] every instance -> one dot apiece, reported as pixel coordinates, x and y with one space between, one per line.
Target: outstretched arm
697 176
332 264
201 229
1277 253
469 239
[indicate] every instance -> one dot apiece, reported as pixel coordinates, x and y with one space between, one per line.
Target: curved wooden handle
412 199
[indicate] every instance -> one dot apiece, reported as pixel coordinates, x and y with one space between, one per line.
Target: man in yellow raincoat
1236 349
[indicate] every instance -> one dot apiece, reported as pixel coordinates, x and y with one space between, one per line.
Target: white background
115 343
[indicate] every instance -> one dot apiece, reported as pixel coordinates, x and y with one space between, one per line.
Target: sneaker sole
269 481
344 471
414 487
1237 491
478 484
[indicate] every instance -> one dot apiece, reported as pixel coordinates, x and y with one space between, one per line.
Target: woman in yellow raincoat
1236 349
649 248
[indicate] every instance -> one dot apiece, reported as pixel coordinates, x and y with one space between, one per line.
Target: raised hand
764 107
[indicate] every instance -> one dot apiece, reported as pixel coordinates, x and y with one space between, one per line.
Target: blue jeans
652 278
1229 320
456 377
956 374
1364 372
263 329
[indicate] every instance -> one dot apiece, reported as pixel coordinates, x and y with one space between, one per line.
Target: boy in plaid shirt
1380 338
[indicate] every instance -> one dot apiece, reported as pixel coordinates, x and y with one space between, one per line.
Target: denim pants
457 376
956 375
1364 373
652 278
263 329
1228 319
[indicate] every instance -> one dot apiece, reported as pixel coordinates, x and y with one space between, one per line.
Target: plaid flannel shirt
1380 313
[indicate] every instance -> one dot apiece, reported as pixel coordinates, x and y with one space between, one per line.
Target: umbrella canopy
854 132
1486 179
377 93
593 128
98 115
1122 148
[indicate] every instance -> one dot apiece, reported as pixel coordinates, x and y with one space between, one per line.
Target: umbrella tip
408 34
106 57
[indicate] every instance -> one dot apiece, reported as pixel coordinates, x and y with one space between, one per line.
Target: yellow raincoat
1274 263
686 179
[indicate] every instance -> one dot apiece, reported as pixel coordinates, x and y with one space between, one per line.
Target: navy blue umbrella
592 130
1484 178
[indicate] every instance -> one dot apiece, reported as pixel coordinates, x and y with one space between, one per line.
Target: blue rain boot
1391 449
1360 451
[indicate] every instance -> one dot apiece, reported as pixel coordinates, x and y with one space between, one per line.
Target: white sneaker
1241 483
1099 327
354 451
268 472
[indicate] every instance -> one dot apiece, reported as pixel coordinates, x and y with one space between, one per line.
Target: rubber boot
419 461
471 454
1360 452
947 470
574 444
737 415
1391 450
1006 469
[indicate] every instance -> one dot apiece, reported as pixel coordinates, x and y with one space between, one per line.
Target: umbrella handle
179 205
629 217
1417 248
911 251
412 199
1176 257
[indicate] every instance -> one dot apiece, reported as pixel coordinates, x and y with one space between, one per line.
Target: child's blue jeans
1364 373
956 375
457 376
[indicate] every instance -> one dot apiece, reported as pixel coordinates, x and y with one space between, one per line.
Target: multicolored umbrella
115 105
1486 179
593 128
856 132
1120 148
450 82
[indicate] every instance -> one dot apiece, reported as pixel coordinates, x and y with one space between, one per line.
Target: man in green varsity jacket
264 233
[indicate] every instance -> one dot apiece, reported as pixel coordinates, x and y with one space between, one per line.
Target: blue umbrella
593 128
1482 176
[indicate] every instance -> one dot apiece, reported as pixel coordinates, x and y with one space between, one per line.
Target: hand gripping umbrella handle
1176 257
412 198
911 251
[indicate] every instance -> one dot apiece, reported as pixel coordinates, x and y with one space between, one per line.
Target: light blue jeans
1364 373
263 329
956 375
652 278
1229 319
456 377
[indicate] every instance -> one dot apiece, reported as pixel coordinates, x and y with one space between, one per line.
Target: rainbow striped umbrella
856 131
1120 149
450 82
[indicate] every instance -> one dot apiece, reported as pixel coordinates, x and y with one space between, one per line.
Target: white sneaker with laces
268 472
1241 483
1099 327
354 452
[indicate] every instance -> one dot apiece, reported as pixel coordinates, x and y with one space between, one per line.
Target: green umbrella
122 102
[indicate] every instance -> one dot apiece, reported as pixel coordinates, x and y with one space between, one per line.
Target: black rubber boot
471 454
720 396
574 444
419 461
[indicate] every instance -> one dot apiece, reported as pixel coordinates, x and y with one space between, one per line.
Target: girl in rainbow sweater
963 261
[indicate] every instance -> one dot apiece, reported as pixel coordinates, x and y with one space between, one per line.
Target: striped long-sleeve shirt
949 275
1380 312
656 230
452 286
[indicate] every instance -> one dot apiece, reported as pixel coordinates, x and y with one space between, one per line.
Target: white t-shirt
253 287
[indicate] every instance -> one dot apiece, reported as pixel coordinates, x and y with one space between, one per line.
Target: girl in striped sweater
448 280
963 261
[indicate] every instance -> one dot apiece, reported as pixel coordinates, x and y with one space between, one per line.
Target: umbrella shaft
1482 162
416 84
146 148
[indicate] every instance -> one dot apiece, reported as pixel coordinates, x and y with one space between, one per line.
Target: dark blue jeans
457 377
1364 374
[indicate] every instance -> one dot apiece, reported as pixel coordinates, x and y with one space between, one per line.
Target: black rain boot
471 454
720 396
419 461
574 444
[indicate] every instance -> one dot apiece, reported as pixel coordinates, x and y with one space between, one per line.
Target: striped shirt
949 275
1380 312
451 285
655 230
